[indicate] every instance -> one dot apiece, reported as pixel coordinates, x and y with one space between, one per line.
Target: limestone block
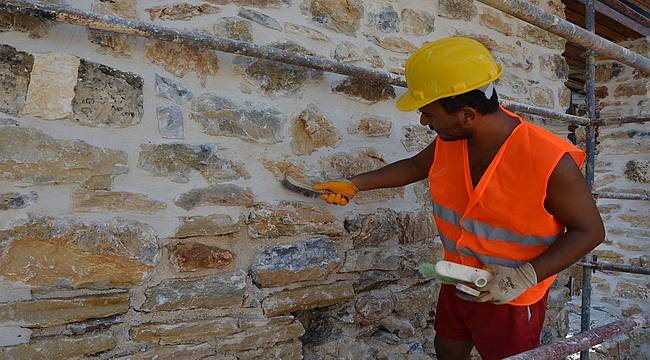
457 9
172 90
305 31
107 97
51 86
374 279
541 37
381 227
181 59
208 292
290 218
307 298
372 57
339 15
312 130
541 96
365 91
216 195
607 71
392 43
211 225
14 200
192 256
30 155
640 87
377 258
254 3
177 160
281 265
494 20
370 125
114 201
14 335
233 28
554 66
347 51
170 121
285 351
260 18
184 332
371 308
384 19
252 122
15 69
260 337
36 27
61 347
633 290
181 11
417 22
110 42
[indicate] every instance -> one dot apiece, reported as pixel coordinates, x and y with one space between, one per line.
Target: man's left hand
507 283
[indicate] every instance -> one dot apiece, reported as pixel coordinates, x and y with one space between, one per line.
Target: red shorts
497 331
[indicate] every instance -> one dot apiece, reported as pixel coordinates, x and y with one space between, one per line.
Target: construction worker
507 196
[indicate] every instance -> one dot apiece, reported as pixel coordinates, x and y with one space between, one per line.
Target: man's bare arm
399 173
569 200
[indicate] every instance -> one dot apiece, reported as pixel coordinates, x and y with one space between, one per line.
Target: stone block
639 87
554 66
177 160
376 258
61 347
339 15
457 9
193 256
494 20
14 200
312 130
181 59
233 28
211 225
347 51
372 57
638 171
14 335
260 18
107 97
381 227
15 69
365 91
281 265
541 37
114 201
370 125
543 97
289 218
181 11
216 195
110 42
392 43
285 351
208 292
384 19
172 90
607 71
307 298
374 279
254 3
252 122
170 121
184 332
36 27
417 22
372 308
305 31
416 138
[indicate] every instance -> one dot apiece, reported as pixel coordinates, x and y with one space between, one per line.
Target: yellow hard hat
446 67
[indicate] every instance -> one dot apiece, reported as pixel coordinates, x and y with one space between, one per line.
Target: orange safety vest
503 220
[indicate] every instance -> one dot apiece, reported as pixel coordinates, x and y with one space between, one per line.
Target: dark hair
474 99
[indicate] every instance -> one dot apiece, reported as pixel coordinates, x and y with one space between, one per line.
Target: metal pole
590 91
139 28
614 267
627 11
624 120
584 340
549 22
621 196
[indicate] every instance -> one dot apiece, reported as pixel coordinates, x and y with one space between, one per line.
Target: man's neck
492 131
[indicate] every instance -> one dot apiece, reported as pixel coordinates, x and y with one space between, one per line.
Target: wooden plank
618 17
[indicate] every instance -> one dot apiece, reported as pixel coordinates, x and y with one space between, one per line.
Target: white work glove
507 283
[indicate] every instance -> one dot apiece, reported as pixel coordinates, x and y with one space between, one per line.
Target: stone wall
142 214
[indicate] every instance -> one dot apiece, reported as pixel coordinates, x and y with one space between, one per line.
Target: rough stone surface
542 97
180 59
370 309
392 43
184 332
347 51
301 299
260 18
36 27
110 42
370 125
216 195
176 161
261 337
289 218
385 19
367 91
417 227
312 130
208 292
375 258
372 57
15 69
14 335
287 264
51 86
252 122
273 78
170 121
379 228
53 161
607 71
640 87
633 290
253 3
107 97
494 20
305 31
181 11
118 253
211 225
457 9
192 256
114 201
14 200
554 66
281 168
61 347
233 28
340 15
289 351
44 313
347 164
172 90
417 22
638 171
541 37
374 279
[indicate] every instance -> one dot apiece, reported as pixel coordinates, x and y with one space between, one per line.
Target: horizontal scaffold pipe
624 120
585 340
615 267
118 24
558 26
621 196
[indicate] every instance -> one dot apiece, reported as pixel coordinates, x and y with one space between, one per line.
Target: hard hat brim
407 102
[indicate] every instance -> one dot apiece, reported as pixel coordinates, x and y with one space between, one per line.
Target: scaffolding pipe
621 196
585 340
624 120
627 11
138 28
556 25
590 98
615 267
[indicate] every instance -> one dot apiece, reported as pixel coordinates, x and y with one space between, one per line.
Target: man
504 191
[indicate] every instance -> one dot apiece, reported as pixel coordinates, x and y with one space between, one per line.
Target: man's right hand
338 192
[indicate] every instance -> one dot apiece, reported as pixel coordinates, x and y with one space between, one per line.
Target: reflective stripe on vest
490 232
450 246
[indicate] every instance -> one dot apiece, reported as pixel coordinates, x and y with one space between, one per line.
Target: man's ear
468 115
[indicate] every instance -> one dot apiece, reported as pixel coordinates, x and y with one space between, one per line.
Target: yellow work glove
507 283
338 192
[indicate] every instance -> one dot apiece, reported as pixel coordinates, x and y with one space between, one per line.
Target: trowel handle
478 277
